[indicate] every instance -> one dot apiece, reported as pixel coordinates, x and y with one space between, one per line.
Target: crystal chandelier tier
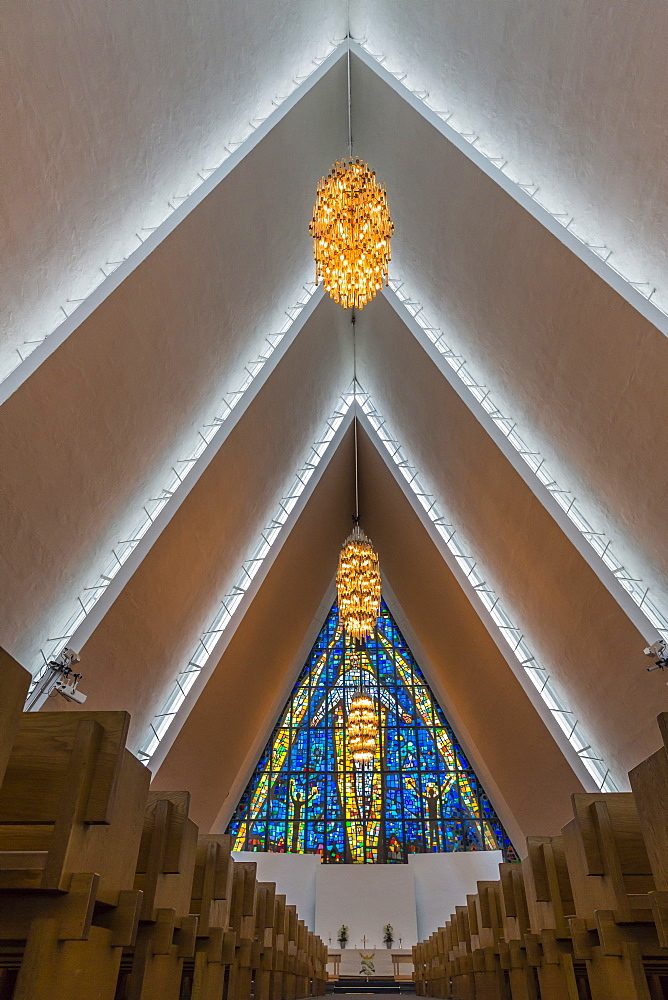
358 585
351 229
362 728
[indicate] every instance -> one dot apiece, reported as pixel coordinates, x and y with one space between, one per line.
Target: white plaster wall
415 898
365 898
295 876
152 628
237 708
107 415
443 880
572 94
571 622
562 353
110 110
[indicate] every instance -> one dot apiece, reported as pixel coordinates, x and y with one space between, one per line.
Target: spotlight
659 653
61 679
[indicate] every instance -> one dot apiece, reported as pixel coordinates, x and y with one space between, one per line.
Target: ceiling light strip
107 278
182 475
653 620
644 296
566 719
230 603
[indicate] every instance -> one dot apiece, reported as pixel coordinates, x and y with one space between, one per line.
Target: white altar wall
442 882
365 897
294 875
415 898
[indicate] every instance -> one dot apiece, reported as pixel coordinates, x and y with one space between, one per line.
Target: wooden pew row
584 916
15 684
107 891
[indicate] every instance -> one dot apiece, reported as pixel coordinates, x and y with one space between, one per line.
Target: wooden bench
242 922
462 973
522 976
486 931
70 823
279 949
106 891
15 685
550 905
265 914
211 899
649 782
319 951
164 874
614 930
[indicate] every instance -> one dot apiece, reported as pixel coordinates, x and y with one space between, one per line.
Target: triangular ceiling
150 402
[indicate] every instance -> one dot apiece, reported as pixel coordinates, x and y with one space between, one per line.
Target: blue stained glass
418 793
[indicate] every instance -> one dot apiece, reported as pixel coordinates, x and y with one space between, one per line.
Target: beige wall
572 94
570 619
93 434
561 352
152 629
110 110
239 701
523 770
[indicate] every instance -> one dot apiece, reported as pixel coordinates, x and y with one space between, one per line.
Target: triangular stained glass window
417 793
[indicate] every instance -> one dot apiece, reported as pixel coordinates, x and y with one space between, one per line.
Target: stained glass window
417 793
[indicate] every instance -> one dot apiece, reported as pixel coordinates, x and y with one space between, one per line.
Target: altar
391 963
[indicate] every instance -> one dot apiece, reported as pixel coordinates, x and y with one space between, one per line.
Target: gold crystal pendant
351 229
358 585
362 727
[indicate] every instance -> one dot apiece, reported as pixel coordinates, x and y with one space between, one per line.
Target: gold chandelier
351 229
362 728
358 585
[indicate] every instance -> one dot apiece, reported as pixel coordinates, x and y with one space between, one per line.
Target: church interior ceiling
177 397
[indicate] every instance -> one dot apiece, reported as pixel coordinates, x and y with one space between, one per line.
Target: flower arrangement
388 935
343 936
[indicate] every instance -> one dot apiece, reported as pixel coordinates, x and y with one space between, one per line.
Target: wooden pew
550 905
462 974
264 937
164 873
319 981
290 958
279 949
301 964
242 922
610 873
70 809
486 930
522 977
586 912
439 967
649 782
211 900
15 684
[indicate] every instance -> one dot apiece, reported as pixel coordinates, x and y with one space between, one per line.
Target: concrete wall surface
442 882
415 898
365 898
294 875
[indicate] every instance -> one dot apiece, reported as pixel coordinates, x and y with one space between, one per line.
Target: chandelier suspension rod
357 498
350 122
